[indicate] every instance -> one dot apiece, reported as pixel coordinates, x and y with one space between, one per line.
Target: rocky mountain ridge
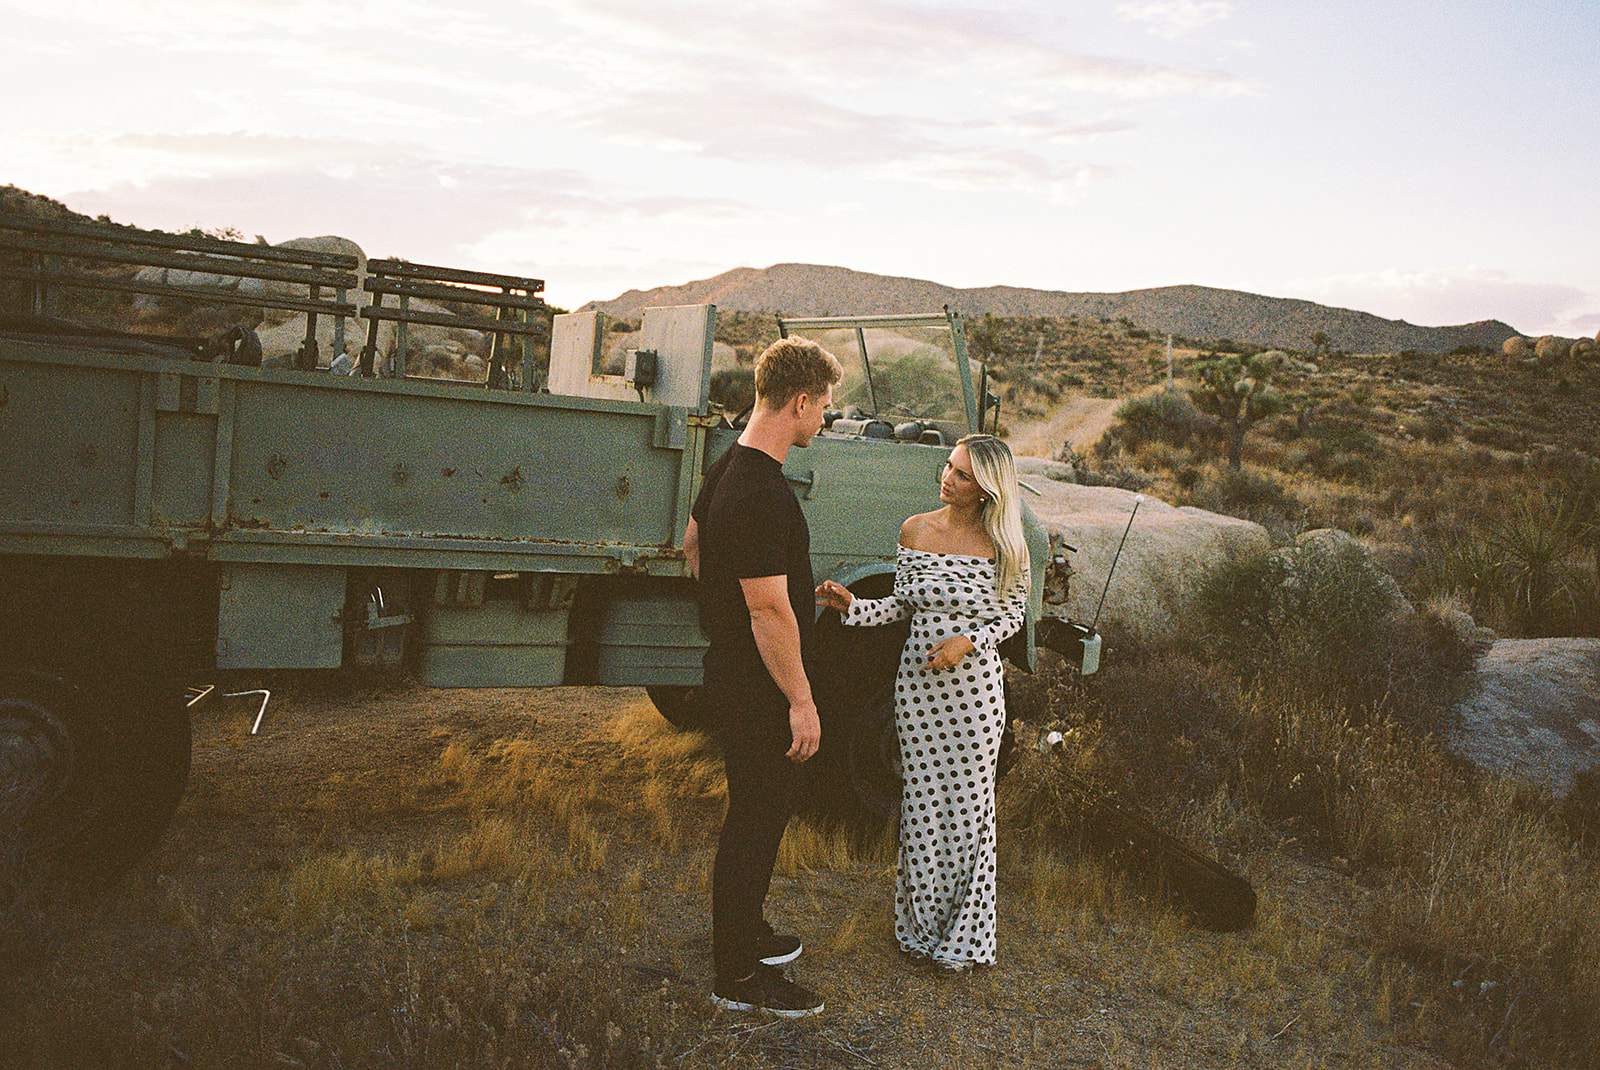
1199 313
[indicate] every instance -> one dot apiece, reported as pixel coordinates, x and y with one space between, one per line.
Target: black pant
762 786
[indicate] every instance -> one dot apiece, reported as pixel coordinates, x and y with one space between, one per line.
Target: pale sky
1420 160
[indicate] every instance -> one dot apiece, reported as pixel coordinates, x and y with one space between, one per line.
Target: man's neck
769 433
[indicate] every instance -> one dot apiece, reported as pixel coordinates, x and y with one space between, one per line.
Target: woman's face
957 485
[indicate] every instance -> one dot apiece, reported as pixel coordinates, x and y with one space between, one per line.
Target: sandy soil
1080 421
1091 977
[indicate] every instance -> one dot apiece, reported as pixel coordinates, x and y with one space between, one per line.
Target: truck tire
874 756
88 781
53 753
681 706
154 754
95 748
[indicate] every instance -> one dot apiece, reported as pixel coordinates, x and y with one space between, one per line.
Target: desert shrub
1497 437
733 388
1246 493
1466 566
1161 721
1342 451
1116 474
1324 614
1536 541
1430 427
1164 416
1522 576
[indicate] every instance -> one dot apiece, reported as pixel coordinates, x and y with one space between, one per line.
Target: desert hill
1201 313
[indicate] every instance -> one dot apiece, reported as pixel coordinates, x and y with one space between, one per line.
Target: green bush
1324 614
1166 416
1247 493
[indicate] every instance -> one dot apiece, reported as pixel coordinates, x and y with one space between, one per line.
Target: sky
1432 162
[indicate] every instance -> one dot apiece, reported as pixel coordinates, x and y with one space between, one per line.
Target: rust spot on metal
447 472
513 479
623 487
276 465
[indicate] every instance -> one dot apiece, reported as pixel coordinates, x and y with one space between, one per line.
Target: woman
961 574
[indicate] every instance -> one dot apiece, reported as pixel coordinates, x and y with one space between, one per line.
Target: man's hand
806 728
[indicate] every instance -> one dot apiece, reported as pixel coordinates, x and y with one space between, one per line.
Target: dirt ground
1090 974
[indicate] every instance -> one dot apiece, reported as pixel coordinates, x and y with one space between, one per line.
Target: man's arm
691 547
777 636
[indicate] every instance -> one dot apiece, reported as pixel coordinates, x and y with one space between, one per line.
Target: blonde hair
793 366
996 473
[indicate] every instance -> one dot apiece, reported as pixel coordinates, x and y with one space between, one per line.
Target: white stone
1152 591
1533 711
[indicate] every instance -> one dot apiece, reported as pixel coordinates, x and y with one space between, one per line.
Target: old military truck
173 508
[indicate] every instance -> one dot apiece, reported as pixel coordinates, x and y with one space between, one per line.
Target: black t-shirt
750 525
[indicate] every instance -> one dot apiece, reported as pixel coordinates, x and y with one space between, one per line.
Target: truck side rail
51 255
518 311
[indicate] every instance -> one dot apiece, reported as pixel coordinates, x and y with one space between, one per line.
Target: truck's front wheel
874 755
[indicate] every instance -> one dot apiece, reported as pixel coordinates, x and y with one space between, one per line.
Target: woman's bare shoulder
914 530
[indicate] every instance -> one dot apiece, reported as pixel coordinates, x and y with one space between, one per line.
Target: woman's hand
834 596
947 653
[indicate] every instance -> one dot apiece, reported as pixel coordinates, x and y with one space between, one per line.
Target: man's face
811 413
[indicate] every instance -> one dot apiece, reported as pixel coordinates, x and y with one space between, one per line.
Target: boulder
1060 471
1516 346
1532 711
421 339
1151 595
1549 349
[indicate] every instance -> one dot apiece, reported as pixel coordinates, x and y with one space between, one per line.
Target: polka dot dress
949 722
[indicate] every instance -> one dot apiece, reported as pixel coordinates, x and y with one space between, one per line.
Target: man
748 545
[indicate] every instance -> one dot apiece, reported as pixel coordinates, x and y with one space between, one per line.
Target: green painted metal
498 643
650 637
293 484
283 616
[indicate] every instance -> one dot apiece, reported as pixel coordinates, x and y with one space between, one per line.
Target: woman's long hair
996 473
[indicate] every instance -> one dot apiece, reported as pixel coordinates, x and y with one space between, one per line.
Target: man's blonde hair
793 366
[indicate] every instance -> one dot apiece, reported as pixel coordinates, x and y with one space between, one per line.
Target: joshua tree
1238 392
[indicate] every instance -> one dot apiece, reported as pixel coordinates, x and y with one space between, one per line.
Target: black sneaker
769 991
775 950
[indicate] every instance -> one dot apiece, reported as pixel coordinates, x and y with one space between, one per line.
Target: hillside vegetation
1201 312
1415 912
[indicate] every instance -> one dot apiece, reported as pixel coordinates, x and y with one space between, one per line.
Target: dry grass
1442 912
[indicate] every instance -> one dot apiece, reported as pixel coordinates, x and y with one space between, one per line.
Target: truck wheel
52 759
681 706
155 749
89 780
874 758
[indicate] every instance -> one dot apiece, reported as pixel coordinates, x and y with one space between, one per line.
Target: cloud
392 203
1174 18
1437 297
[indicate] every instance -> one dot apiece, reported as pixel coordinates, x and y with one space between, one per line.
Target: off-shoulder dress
949 723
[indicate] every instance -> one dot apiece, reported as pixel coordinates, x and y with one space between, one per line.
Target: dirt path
1080 422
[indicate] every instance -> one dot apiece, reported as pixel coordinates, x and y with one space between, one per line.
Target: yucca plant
1533 543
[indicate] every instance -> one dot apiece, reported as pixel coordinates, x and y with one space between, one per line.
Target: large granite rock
1151 595
1533 711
